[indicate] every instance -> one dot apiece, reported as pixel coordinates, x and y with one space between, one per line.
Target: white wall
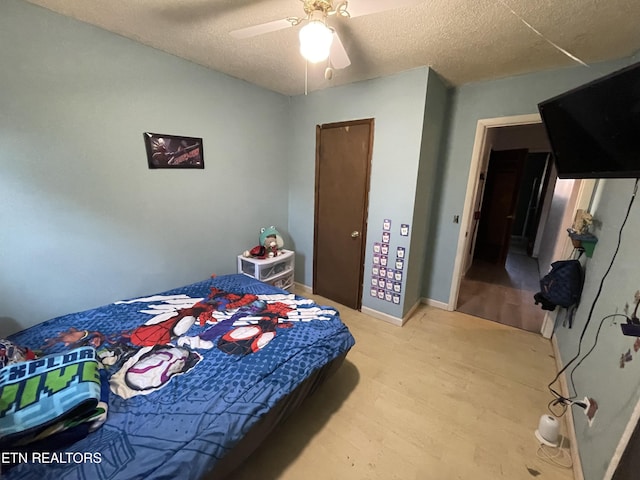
551 244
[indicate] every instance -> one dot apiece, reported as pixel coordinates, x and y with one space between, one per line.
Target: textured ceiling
463 40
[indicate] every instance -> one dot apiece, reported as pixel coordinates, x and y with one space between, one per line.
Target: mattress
193 374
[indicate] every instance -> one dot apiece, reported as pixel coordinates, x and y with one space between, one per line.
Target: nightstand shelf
276 271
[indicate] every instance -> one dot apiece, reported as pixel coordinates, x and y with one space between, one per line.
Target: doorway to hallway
504 292
498 281
504 275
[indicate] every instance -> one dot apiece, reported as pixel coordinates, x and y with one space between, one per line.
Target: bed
197 376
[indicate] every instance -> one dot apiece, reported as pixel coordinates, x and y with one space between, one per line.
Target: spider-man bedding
190 370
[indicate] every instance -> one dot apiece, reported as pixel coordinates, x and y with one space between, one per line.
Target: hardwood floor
503 294
447 396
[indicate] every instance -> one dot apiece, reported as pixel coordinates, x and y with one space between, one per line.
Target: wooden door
343 164
499 204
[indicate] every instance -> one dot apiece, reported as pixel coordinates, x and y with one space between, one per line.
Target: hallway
504 294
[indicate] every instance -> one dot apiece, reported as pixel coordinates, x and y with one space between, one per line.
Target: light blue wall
83 221
617 394
397 104
617 390
510 96
433 132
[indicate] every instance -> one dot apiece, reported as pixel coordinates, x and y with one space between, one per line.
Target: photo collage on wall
387 273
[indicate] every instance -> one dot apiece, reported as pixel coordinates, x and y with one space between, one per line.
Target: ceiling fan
319 41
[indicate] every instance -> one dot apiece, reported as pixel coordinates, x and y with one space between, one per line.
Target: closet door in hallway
499 204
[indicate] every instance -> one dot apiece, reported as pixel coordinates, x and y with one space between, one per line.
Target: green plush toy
271 240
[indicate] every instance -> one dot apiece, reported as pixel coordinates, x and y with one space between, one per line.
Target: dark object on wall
562 286
593 129
171 151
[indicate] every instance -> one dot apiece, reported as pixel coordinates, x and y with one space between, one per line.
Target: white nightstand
276 271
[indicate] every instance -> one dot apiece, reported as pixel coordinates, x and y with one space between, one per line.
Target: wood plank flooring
503 294
447 396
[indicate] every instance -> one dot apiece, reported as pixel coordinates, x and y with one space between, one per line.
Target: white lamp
548 431
315 39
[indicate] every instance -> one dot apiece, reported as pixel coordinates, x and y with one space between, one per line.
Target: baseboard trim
548 324
435 303
410 313
304 288
571 428
385 317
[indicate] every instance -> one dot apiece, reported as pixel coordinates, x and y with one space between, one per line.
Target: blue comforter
191 371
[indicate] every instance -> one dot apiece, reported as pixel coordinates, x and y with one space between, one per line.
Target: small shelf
586 241
277 271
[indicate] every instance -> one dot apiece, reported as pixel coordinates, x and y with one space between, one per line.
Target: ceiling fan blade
338 55
256 30
358 8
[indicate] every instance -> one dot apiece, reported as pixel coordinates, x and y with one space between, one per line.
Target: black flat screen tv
594 129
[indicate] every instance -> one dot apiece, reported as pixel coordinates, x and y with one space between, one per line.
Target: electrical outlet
591 409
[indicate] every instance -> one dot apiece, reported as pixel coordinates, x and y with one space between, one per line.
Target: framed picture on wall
172 151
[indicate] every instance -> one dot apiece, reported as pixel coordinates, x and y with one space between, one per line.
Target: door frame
583 190
365 212
480 147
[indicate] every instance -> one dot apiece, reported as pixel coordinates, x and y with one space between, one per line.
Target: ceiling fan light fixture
315 40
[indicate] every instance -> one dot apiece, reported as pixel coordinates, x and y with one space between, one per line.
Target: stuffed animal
11 353
271 240
270 244
256 252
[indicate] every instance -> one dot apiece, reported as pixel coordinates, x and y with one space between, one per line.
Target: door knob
355 234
